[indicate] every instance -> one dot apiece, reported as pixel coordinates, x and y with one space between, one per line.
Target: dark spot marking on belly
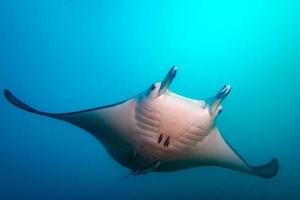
167 142
160 138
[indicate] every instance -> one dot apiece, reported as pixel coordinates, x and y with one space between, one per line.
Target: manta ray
160 131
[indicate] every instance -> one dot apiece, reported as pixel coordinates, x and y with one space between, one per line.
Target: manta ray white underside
160 131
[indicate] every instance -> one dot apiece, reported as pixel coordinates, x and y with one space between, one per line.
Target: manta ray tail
12 99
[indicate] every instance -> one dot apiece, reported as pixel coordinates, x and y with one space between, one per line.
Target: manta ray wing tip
15 101
268 170
9 96
6 93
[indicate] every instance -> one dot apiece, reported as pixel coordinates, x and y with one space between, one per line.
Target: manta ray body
158 130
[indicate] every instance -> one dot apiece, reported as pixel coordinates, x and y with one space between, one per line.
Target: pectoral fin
18 103
214 150
13 100
91 120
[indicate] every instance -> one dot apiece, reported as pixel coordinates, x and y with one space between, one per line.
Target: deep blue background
64 55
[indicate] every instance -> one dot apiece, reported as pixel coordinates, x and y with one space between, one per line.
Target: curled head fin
214 103
167 80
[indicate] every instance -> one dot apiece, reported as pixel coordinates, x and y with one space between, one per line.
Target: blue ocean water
62 56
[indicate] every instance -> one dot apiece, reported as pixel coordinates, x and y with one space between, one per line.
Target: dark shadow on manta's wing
12 99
